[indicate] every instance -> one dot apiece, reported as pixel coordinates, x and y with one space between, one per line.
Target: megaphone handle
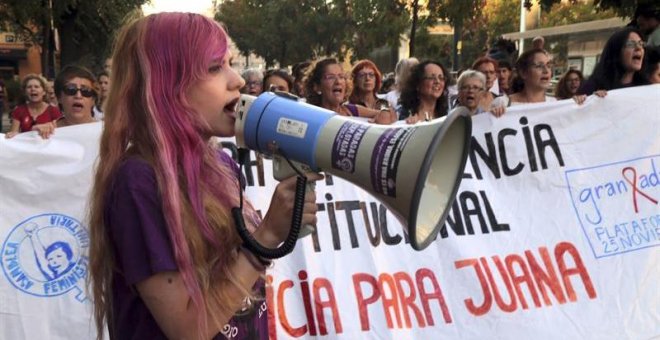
287 247
308 229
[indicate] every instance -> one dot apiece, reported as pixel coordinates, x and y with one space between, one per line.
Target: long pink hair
156 61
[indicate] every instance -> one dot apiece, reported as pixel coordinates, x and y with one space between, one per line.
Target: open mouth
230 108
77 107
338 91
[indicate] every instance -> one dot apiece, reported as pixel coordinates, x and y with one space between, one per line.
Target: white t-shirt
505 101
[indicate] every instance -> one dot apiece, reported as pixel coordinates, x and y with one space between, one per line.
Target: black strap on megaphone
248 240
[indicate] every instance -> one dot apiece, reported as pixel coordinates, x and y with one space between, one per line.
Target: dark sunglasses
71 90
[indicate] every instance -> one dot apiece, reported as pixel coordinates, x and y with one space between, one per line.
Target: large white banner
554 233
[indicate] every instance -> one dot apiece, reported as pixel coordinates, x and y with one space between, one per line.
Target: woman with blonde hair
36 114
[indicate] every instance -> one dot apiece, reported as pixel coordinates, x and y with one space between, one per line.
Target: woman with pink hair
166 260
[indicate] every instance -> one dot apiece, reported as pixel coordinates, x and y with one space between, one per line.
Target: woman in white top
532 80
533 74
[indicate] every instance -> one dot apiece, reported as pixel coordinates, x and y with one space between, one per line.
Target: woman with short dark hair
326 85
569 84
277 80
76 91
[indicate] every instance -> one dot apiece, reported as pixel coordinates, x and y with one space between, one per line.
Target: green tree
622 8
503 16
285 31
86 28
566 14
377 23
289 31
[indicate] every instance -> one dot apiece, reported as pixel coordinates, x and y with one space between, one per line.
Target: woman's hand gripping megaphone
292 212
282 170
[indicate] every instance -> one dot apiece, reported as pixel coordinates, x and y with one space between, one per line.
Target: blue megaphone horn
414 170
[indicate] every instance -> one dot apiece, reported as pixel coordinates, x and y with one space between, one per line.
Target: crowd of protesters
425 90
416 90
159 174
74 97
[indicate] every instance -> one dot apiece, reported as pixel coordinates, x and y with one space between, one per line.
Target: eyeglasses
433 78
252 83
365 75
333 77
71 90
542 66
472 88
632 44
281 88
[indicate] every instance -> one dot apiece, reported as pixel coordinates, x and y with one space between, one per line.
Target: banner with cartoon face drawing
44 237
555 233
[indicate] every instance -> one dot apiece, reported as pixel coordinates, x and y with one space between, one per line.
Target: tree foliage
622 8
377 23
503 16
86 28
283 31
289 31
566 14
455 11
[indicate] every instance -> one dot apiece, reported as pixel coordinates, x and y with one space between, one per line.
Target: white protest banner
44 237
545 239
554 233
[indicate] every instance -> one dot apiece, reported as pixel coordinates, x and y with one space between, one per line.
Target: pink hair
191 43
157 61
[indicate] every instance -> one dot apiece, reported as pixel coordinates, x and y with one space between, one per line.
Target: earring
318 92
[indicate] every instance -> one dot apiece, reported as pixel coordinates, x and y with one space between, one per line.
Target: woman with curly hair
424 94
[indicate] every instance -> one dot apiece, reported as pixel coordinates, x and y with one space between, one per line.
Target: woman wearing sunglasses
36 114
75 87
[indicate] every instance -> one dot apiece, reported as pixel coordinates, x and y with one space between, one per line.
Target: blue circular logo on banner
46 255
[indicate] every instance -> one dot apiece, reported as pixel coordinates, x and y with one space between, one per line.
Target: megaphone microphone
414 170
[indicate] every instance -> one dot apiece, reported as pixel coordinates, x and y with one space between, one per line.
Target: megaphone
414 170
